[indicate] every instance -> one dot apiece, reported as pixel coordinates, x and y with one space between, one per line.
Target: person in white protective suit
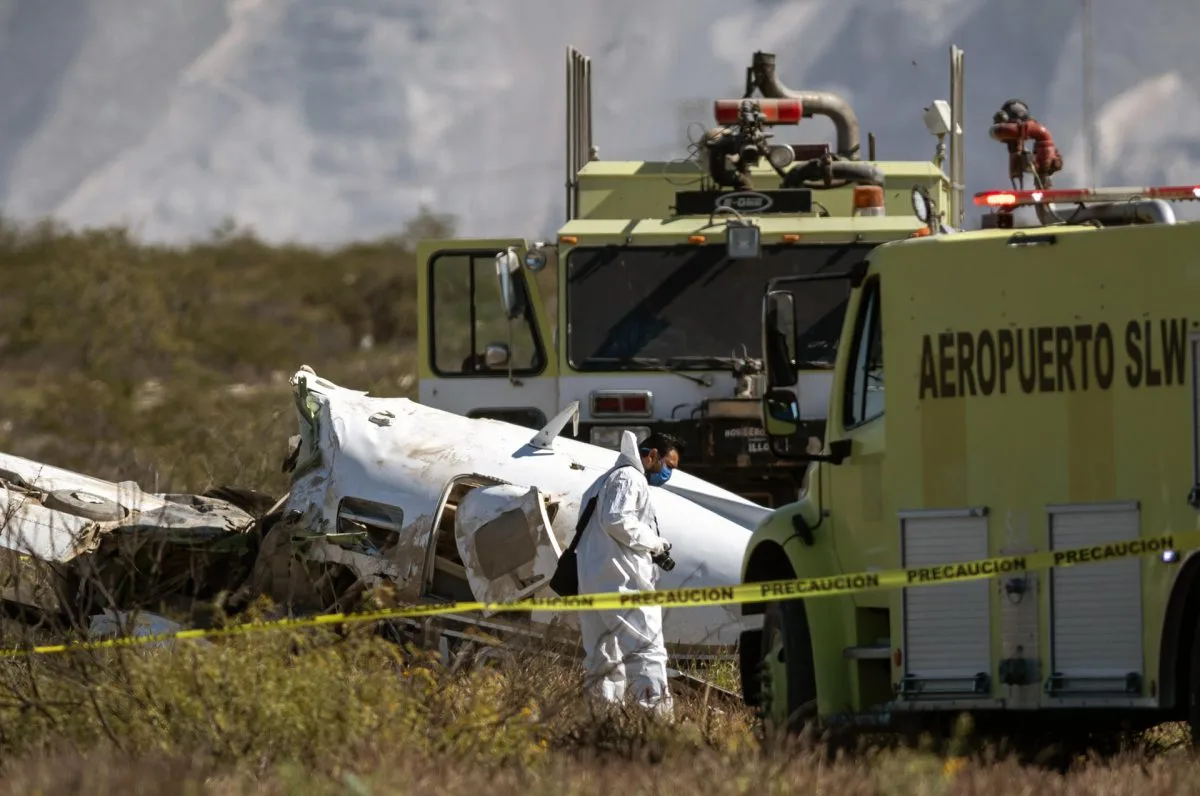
625 650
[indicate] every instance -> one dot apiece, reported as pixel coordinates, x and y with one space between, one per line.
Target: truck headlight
742 241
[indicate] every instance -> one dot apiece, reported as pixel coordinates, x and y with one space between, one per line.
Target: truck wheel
789 684
1193 713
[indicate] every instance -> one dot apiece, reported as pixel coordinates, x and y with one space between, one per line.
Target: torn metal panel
25 580
32 529
62 504
68 538
505 542
282 574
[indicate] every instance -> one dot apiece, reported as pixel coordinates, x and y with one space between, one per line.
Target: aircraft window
469 333
864 398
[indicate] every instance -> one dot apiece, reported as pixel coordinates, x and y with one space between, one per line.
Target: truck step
872 719
874 652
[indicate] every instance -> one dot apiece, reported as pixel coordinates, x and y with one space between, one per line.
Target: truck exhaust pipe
579 124
957 215
761 75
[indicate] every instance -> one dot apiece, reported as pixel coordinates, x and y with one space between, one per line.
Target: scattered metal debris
385 492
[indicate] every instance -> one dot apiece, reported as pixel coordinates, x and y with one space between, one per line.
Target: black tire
85 505
1193 696
785 634
750 666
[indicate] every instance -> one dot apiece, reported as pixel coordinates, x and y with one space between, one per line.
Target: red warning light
777 111
1171 193
620 402
636 404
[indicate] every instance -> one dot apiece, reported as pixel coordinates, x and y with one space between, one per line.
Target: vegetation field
168 366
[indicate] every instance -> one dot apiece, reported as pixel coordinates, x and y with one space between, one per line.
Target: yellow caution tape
767 591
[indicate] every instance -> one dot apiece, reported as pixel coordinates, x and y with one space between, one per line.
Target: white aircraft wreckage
384 492
71 542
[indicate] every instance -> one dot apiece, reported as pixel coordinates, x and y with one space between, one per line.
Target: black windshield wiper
705 361
734 363
646 363
738 366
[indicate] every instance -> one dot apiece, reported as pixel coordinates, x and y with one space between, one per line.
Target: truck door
1194 350
857 484
483 350
505 542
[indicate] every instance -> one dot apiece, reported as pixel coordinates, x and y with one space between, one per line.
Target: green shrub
168 365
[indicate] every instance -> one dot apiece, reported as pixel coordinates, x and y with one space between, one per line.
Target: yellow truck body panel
1041 394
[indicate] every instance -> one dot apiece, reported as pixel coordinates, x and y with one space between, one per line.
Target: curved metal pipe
1047 159
812 174
815 103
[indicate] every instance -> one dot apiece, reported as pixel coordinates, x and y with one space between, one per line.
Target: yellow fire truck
644 309
1043 396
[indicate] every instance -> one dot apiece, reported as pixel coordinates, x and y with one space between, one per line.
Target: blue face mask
661 477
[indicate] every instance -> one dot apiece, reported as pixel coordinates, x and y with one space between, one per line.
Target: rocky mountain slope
326 120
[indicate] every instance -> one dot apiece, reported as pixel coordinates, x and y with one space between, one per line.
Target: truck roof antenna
957 215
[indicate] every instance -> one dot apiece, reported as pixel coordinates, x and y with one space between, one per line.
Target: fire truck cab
645 306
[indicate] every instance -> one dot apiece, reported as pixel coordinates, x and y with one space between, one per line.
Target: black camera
664 559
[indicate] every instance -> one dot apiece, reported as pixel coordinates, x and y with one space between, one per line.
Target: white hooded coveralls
614 555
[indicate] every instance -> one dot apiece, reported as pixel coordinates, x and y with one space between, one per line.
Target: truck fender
1179 627
780 551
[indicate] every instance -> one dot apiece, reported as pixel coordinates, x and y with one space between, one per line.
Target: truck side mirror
779 338
781 413
507 265
496 356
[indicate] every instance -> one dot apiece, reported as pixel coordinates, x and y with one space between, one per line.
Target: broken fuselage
448 508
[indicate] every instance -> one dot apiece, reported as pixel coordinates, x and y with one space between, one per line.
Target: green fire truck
1041 394
644 307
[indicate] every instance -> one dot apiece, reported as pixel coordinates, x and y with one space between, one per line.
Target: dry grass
334 713
121 360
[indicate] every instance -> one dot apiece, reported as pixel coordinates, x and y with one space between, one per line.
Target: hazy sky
325 120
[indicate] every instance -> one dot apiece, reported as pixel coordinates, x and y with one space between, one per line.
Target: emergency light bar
776 111
1177 193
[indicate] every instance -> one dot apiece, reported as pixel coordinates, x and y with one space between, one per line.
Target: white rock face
328 120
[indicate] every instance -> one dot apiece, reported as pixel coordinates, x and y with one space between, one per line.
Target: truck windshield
682 307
